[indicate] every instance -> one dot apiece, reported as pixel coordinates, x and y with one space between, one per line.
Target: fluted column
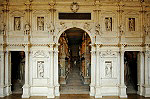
141 73
93 72
122 84
51 74
2 73
26 87
56 75
8 73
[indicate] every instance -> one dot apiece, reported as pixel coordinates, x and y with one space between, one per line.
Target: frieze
40 54
108 53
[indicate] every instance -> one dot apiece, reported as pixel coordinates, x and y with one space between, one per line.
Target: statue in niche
108 69
17 22
27 29
98 29
22 67
51 28
40 69
40 23
131 24
108 24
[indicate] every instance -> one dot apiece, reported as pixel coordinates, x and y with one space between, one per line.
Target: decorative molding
87 26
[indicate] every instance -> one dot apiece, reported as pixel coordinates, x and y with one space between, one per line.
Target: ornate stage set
34 39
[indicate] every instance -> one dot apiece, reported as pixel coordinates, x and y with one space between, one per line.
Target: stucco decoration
40 53
108 69
74 7
98 29
108 53
87 26
51 28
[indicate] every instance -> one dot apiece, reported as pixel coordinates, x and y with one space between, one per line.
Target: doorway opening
74 62
131 68
17 71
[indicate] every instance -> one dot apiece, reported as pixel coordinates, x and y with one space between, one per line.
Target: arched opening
74 61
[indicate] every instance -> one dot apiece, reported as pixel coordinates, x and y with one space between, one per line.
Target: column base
62 80
146 91
123 93
92 90
86 80
51 92
57 93
26 91
140 90
2 91
98 93
8 90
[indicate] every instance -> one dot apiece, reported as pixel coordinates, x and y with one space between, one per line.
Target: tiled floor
74 96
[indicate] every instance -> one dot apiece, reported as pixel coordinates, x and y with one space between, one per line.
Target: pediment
40 54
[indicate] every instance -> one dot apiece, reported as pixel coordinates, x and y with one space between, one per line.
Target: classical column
93 66
26 87
8 73
51 74
146 74
56 75
2 74
98 76
141 73
122 84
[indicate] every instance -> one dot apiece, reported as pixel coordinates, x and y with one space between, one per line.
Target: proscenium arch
62 31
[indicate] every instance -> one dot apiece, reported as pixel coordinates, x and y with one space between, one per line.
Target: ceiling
74 36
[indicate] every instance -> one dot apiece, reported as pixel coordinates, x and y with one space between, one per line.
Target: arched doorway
74 61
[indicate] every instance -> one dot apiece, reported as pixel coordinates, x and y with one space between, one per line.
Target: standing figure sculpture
40 23
17 23
108 70
108 24
131 24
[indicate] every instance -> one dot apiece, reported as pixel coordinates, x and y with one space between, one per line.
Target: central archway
74 61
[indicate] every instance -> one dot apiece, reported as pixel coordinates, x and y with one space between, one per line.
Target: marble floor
74 96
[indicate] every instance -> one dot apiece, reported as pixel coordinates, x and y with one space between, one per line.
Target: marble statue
108 70
108 24
131 24
17 23
40 23
40 69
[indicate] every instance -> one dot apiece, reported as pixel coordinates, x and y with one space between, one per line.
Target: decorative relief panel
40 53
40 69
108 53
108 69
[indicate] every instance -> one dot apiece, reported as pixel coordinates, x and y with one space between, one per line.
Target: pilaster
56 76
7 73
93 70
51 87
2 56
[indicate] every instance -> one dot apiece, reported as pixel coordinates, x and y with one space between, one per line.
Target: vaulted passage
74 62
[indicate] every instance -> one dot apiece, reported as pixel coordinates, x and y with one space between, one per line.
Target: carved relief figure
27 28
98 29
51 27
108 24
108 69
40 23
40 65
17 23
87 26
131 24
